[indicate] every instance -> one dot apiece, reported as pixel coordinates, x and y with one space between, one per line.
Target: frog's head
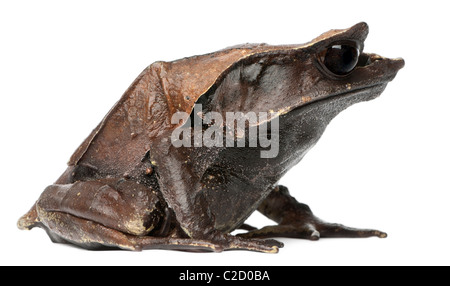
278 79
331 72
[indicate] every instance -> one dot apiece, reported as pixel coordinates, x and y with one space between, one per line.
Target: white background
382 164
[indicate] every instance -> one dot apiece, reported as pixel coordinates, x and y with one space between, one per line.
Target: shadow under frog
127 186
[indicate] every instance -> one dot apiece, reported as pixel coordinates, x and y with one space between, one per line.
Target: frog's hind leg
66 228
297 220
95 214
111 213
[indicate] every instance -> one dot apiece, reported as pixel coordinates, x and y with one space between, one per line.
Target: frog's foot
225 242
259 245
297 220
29 220
312 231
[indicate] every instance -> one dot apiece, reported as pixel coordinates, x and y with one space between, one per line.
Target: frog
127 186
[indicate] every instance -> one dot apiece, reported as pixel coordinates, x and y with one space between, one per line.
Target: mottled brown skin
128 187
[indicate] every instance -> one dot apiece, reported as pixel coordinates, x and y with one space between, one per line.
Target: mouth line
338 96
353 91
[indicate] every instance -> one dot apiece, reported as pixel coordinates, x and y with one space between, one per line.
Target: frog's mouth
347 98
360 94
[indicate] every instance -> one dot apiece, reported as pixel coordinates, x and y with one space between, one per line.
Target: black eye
340 59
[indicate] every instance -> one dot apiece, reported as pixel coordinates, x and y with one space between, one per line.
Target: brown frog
130 185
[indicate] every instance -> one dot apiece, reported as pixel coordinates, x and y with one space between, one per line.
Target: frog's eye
340 59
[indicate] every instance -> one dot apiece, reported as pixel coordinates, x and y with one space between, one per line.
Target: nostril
373 58
368 59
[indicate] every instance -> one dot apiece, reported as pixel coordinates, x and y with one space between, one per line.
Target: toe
315 235
338 230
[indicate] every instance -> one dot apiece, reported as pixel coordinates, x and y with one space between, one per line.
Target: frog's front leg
180 185
297 220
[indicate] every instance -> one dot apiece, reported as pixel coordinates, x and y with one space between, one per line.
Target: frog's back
143 113
115 145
